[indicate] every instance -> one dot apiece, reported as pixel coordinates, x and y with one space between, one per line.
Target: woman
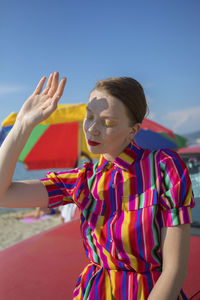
135 204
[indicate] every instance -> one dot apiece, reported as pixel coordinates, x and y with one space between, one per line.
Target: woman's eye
108 123
89 117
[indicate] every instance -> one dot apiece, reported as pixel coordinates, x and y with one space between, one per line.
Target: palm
39 106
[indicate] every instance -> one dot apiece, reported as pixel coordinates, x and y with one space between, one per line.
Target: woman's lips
92 143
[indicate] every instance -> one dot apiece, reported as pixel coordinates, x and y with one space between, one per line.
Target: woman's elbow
177 273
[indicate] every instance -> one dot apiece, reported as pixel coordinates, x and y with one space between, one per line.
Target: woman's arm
37 108
175 251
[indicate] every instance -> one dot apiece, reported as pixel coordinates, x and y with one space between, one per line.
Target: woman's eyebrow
87 108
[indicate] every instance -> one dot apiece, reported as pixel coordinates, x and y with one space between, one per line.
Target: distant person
193 165
67 212
38 212
134 203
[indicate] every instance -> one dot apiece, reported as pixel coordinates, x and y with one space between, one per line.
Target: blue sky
156 42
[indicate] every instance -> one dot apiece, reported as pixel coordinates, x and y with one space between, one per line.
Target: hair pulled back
130 92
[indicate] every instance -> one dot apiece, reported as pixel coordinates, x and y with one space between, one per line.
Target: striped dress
123 207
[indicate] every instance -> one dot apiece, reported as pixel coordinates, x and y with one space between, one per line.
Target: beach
13 229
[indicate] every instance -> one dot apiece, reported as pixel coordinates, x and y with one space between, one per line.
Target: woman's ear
137 127
134 130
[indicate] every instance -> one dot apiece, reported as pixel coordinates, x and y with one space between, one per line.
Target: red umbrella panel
193 149
156 127
52 146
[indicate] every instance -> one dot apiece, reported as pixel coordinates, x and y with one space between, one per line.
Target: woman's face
106 125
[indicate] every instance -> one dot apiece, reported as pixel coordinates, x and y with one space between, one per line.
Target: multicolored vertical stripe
124 206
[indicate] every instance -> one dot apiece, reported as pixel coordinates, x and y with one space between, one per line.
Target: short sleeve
66 187
176 196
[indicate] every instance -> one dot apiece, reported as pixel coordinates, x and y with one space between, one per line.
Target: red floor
47 266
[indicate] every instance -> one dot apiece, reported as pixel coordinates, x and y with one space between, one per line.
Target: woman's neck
111 157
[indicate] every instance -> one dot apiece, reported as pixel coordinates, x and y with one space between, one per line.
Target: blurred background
156 42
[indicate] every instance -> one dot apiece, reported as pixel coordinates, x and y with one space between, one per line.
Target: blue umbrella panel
152 140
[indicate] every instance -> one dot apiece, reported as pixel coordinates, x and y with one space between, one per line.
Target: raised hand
41 104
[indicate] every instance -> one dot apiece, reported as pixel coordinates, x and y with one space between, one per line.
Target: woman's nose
93 129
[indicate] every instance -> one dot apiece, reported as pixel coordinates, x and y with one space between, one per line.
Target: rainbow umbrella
2 135
156 127
59 141
190 151
177 141
51 146
152 140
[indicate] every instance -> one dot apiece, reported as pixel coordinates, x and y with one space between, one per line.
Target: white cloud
10 89
183 121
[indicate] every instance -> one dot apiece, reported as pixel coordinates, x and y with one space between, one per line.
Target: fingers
51 103
52 90
48 85
54 84
39 86
60 89
57 96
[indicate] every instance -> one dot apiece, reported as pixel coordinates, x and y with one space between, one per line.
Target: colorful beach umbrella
51 146
59 141
177 141
2 135
152 140
148 124
192 149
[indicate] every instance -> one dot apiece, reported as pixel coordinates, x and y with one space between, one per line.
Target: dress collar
124 160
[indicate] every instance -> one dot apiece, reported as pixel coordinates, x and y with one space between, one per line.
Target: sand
13 230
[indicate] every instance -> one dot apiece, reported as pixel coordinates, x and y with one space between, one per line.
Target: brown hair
130 92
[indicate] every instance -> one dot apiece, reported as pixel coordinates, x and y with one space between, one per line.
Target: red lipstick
92 143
